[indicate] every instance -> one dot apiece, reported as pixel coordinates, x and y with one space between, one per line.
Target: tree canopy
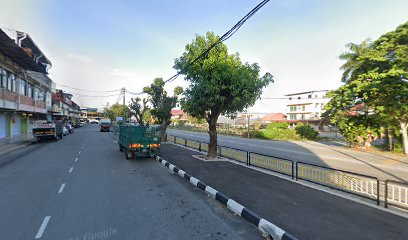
219 82
375 76
162 103
116 110
138 107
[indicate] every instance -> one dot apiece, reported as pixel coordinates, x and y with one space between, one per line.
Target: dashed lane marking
76 159
42 227
61 188
70 170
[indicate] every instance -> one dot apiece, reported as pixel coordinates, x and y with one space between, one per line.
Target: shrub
306 131
276 134
278 125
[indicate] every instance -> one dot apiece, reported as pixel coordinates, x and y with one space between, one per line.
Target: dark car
105 127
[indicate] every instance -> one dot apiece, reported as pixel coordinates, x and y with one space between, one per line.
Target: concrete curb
266 227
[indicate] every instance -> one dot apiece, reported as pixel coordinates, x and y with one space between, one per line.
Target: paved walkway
9 147
304 212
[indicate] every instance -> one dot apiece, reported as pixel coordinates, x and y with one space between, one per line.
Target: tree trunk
163 132
404 134
212 127
390 137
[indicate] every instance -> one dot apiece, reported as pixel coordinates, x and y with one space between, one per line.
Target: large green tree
375 75
116 110
219 83
162 103
138 107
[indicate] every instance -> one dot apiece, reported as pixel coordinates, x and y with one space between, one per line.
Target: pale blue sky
105 45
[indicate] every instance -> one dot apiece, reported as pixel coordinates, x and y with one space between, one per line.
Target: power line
223 38
288 98
133 93
85 95
85 90
120 95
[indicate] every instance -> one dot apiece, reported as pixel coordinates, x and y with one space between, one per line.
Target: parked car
94 121
105 127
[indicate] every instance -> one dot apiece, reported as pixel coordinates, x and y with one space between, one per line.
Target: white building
306 106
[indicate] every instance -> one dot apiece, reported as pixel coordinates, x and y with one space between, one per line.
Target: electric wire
85 90
223 38
86 95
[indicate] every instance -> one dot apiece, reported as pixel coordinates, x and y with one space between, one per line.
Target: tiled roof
9 48
274 116
176 112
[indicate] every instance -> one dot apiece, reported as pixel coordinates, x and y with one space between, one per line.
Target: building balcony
27 101
40 104
8 96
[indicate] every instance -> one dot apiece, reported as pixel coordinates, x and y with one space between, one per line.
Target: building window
290 98
10 81
303 108
30 90
316 105
302 117
309 96
14 82
23 87
3 78
299 98
41 95
316 96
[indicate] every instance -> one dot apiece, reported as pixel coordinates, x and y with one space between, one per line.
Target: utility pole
248 123
124 104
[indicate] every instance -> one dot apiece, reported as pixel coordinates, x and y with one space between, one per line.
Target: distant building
90 113
306 107
274 117
180 115
177 113
64 108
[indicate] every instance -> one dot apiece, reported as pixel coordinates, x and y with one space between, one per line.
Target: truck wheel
127 154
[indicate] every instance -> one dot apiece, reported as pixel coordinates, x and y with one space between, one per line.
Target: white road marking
42 227
61 188
70 170
79 153
76 159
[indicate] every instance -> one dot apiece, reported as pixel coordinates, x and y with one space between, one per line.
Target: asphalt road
378 165
82 188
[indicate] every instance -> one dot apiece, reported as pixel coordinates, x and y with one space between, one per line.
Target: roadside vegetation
220 84
373 101
273 131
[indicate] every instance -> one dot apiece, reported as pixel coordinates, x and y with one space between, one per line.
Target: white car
94 121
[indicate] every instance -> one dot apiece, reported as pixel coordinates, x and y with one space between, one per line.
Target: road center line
70 170
76 159
79 153
61 188
42 227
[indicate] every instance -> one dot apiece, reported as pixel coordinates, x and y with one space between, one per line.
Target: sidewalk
304 212
9 147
